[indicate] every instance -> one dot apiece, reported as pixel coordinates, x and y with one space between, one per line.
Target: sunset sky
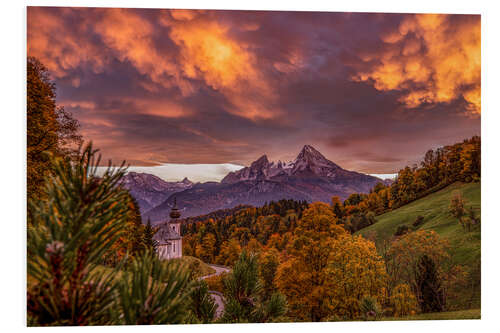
372 92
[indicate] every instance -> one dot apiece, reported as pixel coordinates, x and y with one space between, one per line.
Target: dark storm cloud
160 86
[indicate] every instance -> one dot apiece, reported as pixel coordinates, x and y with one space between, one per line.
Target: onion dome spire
174 213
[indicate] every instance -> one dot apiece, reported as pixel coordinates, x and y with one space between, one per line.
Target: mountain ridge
150 190
311 177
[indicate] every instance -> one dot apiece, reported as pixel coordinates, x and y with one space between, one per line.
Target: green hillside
465 246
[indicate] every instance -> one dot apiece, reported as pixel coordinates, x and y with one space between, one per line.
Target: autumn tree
132 241
404 265
338 208
205 250
457 206
268 265
50 129
355 271
404 253
230 250
135 228
403 301
328 271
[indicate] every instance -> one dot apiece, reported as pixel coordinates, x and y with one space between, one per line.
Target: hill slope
465 246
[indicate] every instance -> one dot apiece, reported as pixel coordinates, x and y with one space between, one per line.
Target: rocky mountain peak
259 163
310 154
309 160
186 181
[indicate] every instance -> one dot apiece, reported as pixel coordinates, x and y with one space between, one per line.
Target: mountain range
310 177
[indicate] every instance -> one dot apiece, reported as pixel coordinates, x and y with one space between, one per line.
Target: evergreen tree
242 291
202 304
137 229
73 228
153 291
429 290
149 242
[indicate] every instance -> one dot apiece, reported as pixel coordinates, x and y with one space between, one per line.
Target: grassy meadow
465 247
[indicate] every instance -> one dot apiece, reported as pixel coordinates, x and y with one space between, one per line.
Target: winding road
217 296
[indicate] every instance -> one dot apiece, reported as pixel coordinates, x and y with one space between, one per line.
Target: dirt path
217 296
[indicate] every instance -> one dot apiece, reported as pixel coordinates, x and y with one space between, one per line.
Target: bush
401 230
419 221
370 309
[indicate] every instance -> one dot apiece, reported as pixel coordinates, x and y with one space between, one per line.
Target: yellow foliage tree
354 271
328 271
403 301
205 250
229 253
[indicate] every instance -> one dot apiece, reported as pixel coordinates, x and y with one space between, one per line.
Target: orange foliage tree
328 271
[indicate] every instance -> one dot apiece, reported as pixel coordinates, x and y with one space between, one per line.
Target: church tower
169 236
174 218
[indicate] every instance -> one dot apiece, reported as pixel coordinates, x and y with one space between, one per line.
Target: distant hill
465 246
149 190
310 177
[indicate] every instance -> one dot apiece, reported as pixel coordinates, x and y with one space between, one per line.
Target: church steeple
174 213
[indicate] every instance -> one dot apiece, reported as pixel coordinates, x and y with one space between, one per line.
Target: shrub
369 308
419 221
401 230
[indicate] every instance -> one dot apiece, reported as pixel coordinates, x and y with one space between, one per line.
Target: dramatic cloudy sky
372 92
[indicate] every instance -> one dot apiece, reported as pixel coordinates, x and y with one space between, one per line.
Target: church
169 237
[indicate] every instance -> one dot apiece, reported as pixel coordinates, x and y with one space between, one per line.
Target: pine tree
136 232
429 290
202 304
243 299
153 291
149 242
73 228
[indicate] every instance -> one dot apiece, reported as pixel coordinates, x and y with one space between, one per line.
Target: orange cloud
184 14
432 60
56 48
205 51
208 53
130 37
